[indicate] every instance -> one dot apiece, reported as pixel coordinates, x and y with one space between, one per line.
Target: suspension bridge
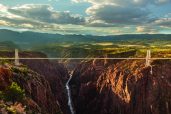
147 59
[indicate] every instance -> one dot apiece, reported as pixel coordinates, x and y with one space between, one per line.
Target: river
69 96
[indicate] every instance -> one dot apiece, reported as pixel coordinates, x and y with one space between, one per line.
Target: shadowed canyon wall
122 87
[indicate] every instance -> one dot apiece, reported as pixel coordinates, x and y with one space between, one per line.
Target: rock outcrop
54 76
5 76
122 87
39 90
39 97
55 73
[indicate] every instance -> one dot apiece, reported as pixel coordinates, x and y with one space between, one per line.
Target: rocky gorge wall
45 84
97 87
122 87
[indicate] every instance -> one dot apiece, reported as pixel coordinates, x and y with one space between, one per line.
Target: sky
93 17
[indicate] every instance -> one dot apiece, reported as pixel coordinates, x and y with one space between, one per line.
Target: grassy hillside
8 45
57 45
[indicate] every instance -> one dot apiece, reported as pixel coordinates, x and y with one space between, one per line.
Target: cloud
3 23
45 13
163 22
116 31
98 23
27 25
37 18
3 8
126 2
77 1
146 29
162 1
115 14
141 29
121 12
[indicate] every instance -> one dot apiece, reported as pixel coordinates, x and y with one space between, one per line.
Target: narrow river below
69 96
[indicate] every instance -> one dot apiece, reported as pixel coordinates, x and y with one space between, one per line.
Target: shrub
14 93
1 95
11 110
23 71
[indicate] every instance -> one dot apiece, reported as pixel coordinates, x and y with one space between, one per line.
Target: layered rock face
55 74
39 97
122 87
38 90
5 75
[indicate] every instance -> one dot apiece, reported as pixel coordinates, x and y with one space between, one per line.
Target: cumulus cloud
121 12
3 8
146 29
100 13
125 2
27 24
163 22
37 17
77 1
115 14
98 23
45 13
3 23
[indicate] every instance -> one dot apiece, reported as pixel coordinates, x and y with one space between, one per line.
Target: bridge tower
94 62
17 63
148 60
105 59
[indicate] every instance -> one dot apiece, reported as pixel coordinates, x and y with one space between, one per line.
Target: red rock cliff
55 74
39 97
122 87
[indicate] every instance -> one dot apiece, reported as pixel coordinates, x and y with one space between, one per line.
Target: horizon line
46 32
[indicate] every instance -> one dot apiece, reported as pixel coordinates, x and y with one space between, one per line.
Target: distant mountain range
28 38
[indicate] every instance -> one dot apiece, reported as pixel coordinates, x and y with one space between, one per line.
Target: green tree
14 93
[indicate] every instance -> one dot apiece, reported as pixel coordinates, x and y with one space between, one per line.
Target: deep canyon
96 86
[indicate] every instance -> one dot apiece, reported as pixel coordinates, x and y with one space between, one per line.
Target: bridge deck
84 58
